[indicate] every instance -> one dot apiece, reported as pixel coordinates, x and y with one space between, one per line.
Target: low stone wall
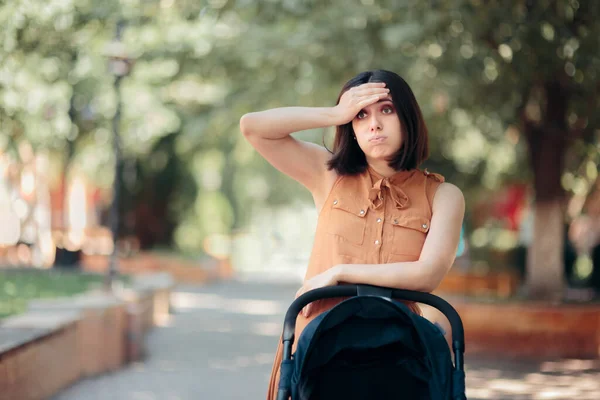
495 284
56 342
529 330
525 330
38 355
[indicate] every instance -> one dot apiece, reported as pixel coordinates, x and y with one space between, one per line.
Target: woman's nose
374 124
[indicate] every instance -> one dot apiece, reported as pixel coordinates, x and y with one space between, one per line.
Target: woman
382 221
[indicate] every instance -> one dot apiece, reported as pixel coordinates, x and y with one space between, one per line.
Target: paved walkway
220 342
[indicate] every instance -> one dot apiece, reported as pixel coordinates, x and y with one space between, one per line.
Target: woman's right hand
357 98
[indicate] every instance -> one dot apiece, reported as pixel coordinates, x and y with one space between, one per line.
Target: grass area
19 286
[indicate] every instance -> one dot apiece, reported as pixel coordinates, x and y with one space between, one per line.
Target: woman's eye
388 110
361 115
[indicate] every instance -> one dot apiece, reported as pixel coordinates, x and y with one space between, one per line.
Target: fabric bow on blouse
399 197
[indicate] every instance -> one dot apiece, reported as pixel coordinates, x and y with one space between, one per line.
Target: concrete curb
59 341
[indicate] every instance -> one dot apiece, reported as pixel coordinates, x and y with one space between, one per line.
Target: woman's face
378 130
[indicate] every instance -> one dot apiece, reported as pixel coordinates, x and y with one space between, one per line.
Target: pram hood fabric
368 323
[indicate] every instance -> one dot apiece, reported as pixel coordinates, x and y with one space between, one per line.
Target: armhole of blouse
431 187
337 181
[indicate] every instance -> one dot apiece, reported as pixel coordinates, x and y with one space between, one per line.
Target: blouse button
396 221
424 226
362 212
378 219
335 202
377 242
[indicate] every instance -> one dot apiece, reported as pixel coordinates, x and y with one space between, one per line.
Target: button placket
378 240
381 226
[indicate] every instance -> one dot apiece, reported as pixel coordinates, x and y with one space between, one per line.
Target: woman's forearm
403 275
278 123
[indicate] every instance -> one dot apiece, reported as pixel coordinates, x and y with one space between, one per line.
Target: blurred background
119 133
140 101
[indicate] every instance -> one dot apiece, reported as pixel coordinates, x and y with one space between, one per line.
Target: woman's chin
380 155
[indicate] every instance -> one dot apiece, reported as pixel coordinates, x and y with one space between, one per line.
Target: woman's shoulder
432 176
448 193
439 181
438 188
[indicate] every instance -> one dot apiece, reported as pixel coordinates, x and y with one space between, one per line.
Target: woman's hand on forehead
359 97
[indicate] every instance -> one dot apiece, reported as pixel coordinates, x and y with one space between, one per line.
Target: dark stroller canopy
369 347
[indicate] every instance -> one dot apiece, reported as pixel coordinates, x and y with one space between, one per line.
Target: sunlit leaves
201 65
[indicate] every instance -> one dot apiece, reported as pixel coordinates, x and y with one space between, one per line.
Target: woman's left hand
324 279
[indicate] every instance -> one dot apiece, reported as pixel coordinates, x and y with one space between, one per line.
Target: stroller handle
291 315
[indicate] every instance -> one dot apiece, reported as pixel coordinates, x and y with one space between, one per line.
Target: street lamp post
119 64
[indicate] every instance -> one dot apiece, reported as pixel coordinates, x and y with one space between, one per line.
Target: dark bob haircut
349 159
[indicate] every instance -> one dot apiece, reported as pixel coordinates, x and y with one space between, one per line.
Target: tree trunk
544 278
548 143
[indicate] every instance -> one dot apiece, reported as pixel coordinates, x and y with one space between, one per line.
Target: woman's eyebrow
386 100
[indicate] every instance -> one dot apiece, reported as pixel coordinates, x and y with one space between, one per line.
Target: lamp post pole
120 66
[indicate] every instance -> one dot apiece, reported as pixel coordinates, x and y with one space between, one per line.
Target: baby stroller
371 347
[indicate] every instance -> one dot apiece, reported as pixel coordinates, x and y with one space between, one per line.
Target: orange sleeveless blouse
367 219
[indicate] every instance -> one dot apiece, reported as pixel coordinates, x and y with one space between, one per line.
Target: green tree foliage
500 85
526 73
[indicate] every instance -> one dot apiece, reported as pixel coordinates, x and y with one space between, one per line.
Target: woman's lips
377 139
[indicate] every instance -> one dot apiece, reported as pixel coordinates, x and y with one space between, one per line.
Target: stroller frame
458 336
